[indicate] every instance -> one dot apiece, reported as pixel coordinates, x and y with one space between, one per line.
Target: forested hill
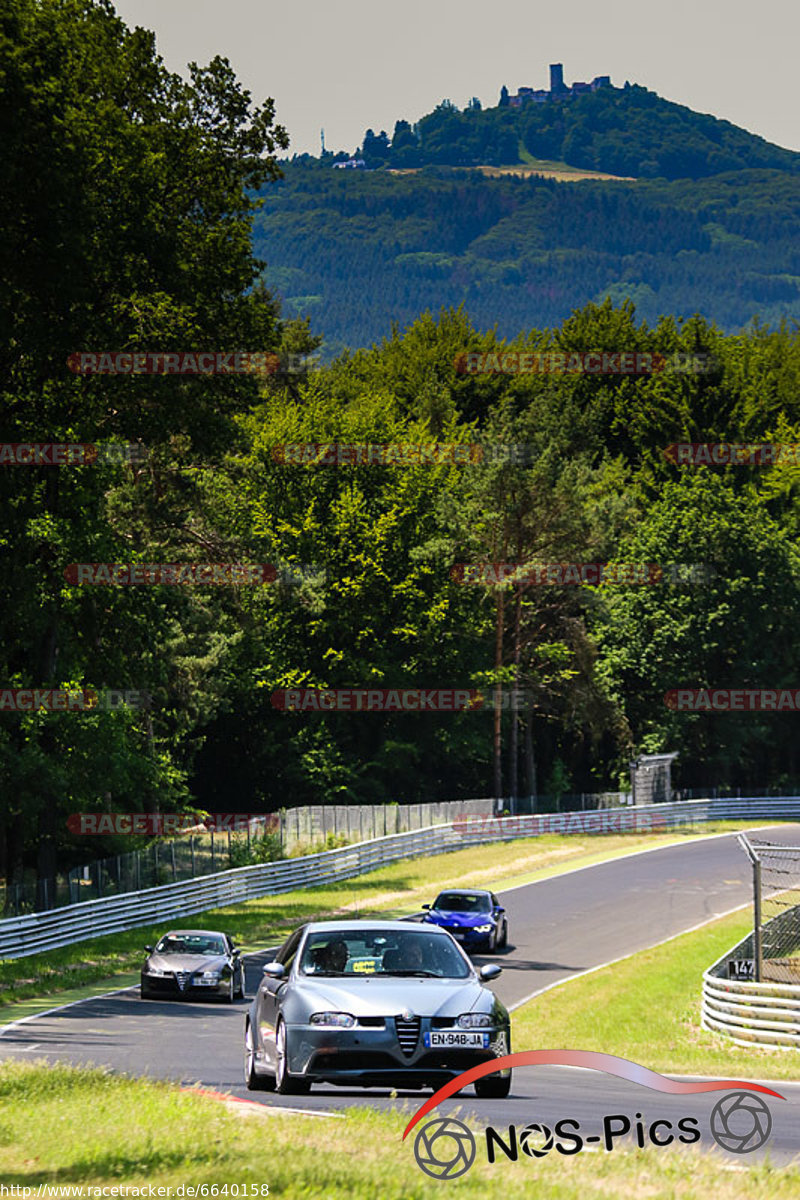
355 250
623 131
701 215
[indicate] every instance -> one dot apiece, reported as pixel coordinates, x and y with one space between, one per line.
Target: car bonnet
187 962
385 996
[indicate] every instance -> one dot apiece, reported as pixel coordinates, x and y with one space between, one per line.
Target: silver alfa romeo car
193 962
373 1004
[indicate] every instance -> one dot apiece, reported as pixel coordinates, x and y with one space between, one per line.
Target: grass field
551 171
64 1125
102 963
548 168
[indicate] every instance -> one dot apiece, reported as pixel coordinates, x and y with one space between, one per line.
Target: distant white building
352 164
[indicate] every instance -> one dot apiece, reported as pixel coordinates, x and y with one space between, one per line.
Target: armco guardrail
21 936
764 1014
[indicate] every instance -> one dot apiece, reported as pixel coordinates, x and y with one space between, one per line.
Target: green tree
730 623
127 207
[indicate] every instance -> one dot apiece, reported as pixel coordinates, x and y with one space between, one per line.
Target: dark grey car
193 962
373 1004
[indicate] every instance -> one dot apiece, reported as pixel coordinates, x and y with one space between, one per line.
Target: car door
271 991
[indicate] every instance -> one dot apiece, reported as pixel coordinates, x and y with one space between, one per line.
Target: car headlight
484 928
211 974
154 970
474 1020
337 1020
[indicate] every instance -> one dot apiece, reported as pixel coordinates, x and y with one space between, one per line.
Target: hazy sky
347 64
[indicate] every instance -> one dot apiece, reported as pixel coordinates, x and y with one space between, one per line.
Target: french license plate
206 982
455 1038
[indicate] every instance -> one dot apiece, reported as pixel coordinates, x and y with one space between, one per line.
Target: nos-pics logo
446 1148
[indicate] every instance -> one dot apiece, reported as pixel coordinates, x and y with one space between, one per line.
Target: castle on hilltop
558 88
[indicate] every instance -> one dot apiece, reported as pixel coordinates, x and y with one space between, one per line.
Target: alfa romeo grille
183 978
407 1033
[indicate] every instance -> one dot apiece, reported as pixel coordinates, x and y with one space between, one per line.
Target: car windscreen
380 952
476 902
175 943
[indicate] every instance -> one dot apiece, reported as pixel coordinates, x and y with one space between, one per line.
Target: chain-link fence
295 831
776 910
292 831
159 863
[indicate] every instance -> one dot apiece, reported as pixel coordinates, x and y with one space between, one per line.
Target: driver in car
334 956
409 956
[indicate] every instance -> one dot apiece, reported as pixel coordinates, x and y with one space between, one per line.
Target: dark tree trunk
498 712
530 758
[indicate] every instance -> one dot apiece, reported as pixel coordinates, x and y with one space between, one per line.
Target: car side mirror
274 970
500 911
425 906
490 971
149 949
235 951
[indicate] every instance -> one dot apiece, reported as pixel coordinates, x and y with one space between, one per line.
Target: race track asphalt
557 927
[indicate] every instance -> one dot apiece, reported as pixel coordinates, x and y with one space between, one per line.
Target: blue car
474 918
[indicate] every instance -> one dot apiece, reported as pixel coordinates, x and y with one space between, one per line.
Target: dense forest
354 250
130 227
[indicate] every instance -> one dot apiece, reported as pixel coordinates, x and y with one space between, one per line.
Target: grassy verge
64 1125
393 890
647 1008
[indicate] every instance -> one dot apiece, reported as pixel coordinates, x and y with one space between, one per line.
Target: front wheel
253 1082
286 1084
504 936
493 1087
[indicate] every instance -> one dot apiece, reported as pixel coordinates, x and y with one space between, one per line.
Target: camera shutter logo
445 1148
536 1140
741 1122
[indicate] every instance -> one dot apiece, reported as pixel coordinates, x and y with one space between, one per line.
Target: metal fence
193 855
745 1010
298 830
24 935
360 822
160 862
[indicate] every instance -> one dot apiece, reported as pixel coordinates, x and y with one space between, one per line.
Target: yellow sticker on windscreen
365 966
